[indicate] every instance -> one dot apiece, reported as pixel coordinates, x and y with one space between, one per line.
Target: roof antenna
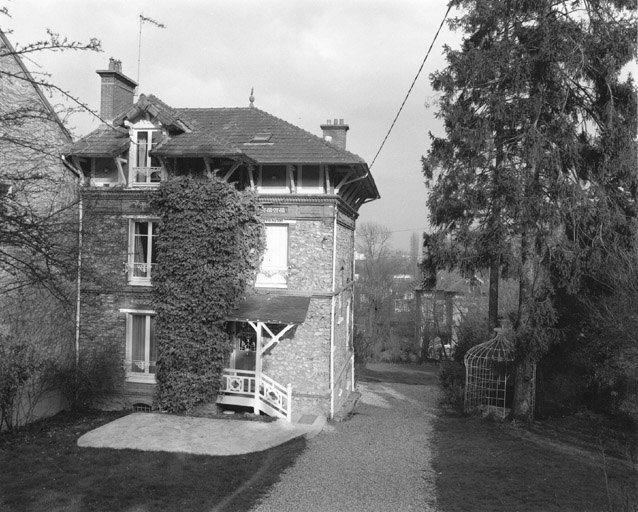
252 98
139 46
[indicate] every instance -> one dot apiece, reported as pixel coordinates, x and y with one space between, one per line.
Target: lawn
553 465
43 469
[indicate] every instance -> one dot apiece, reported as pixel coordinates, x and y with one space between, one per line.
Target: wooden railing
276 396
241 387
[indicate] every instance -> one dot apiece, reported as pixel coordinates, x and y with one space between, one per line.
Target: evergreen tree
536 174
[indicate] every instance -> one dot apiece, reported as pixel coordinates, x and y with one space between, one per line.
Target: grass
483 465
43 469
553 465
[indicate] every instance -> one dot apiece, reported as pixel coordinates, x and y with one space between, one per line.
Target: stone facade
302 358
317 242
105 288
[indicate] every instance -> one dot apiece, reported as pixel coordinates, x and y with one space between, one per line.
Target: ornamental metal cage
488 376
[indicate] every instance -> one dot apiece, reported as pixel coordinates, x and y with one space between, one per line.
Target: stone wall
302 359
343 350
105 290
310 256
35 185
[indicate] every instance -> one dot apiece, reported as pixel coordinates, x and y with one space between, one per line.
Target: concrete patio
202 436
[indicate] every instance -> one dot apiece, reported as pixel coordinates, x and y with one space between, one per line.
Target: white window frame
273 190
146 376
132 278
303 189
145 168
275 275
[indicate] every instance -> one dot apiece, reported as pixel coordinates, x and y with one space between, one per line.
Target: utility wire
412 86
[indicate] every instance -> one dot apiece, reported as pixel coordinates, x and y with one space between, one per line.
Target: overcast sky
308 61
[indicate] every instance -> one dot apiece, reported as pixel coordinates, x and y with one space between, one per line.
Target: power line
412 86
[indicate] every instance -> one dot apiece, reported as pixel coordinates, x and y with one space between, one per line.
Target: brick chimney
335 132
118 91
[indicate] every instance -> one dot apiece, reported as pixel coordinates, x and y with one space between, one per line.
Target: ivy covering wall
209 247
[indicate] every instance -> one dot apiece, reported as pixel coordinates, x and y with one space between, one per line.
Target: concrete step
312 424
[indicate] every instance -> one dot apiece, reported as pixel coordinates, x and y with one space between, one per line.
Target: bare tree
38 228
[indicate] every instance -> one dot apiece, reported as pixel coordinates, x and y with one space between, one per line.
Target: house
441 310
37 216
293 336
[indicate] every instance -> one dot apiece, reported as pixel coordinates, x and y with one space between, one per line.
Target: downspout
351 333
332 317
79 261
79 283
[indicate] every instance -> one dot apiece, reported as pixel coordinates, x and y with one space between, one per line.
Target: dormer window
146 170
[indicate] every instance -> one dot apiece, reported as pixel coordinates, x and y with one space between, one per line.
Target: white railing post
289 402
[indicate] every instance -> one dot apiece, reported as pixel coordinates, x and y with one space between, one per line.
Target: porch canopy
272 309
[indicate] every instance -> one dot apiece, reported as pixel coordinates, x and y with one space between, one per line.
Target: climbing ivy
209 246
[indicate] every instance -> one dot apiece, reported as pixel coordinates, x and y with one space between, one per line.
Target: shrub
452 383
96 377
19 363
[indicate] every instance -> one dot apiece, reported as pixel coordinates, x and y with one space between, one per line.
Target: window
310 179
274 268
261 138
145 169
273 179
141 350
104 172
142 251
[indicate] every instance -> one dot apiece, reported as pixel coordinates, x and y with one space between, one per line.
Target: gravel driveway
378 460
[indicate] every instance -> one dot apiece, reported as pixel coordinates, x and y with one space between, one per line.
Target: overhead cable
412 86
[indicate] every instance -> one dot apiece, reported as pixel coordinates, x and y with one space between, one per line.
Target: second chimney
118 91
335 132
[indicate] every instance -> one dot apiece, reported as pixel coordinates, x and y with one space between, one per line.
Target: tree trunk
492 315
523 401
522 404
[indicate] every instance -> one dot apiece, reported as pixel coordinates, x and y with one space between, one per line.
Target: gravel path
379 460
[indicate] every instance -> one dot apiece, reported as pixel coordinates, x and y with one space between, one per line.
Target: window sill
140 283
140 378
271 280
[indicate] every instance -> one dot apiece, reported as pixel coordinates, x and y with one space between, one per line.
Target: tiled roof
236 127
103 141
166 115
219 132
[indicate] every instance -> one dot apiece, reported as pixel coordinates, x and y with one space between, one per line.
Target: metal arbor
488 373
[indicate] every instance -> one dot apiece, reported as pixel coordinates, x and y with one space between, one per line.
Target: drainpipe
332 316
78 175
351 333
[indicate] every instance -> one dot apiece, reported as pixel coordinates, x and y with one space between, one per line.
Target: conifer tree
536 173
